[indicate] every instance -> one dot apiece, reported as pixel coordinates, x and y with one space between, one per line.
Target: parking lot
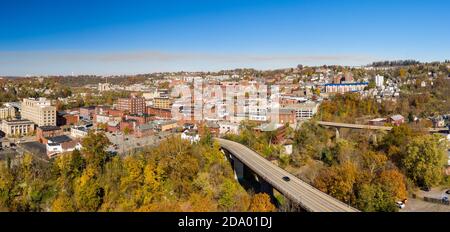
124 144
420 205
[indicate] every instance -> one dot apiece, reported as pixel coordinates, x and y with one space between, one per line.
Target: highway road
308 197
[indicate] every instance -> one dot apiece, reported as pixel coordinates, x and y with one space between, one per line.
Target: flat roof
348 84
49 128
60 139
18 121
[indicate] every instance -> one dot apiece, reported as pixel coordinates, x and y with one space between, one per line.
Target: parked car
400 204
448 192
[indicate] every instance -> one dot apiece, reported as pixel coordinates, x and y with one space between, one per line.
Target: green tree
372 198
94 148
424 159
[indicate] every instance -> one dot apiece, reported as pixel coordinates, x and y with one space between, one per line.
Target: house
378 122
396 120
279 130
79 132
61 144
213 127
228 128
438 122
191 136
288 146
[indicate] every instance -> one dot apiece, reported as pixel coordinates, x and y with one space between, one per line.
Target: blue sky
125 37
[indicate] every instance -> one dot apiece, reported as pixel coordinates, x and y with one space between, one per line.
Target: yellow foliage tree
261 203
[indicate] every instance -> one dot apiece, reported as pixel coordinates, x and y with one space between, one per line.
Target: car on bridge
286 178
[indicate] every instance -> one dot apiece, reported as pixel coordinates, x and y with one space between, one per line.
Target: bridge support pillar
338 134
238 169
374 139
266 187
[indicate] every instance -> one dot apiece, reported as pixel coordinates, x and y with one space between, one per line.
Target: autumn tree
338 181
393 183
261 203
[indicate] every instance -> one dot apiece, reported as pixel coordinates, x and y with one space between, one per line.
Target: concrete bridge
370 127
338 125
271 177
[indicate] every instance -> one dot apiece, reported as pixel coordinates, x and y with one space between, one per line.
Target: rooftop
397 117
17 122
59 139
348 84
49 128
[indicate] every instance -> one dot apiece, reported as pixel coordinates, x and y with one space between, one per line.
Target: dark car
448 191
286 178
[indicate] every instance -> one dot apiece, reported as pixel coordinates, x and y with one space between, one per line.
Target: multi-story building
346 87
133 105
40 111
228 128
44 132
379 81
79 132
162 103
303 111
104 87
87 112
287 116
7 113
17 127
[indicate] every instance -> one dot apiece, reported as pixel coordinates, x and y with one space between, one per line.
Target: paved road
305 195
369 127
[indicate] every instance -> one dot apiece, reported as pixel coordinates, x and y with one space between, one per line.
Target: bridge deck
305 195
369 127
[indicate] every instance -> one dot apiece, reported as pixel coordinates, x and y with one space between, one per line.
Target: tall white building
104 87
40 111
379 81
7 113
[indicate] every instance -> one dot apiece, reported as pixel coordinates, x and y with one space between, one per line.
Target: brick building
45 132
159 113
133 105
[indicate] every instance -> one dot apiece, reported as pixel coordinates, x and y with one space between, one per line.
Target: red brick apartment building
133 105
